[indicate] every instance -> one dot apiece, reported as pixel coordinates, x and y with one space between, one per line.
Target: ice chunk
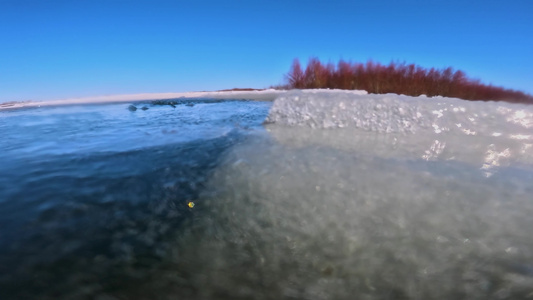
398 113
409 127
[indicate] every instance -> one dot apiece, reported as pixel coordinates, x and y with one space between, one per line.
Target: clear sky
73 48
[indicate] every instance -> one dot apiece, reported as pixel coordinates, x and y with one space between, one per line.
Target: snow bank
486 134
399 113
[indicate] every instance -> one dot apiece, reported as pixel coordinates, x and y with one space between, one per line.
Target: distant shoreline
250 94
235 93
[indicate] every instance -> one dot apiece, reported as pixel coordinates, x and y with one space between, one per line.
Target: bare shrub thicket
399 78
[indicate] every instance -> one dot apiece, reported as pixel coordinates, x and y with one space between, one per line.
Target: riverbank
236 94
262 95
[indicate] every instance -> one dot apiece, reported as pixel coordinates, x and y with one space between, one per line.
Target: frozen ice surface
399 113
317 222
370 197
488 134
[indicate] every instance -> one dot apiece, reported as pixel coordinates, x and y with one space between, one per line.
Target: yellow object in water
190 204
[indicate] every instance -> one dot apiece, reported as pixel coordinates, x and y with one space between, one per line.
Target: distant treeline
398 78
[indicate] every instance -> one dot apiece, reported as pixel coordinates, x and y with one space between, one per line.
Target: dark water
91 196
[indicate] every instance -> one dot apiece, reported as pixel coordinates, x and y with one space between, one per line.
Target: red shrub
295 77
397 78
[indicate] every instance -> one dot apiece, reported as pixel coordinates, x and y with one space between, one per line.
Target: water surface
338 197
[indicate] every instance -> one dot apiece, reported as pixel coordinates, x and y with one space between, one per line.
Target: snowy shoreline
259 95
264 95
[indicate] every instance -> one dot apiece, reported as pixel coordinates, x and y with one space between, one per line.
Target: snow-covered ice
485 134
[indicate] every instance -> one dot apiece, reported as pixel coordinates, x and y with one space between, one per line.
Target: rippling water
338 197
90 196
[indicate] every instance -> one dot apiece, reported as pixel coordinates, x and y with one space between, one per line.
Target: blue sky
61 49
